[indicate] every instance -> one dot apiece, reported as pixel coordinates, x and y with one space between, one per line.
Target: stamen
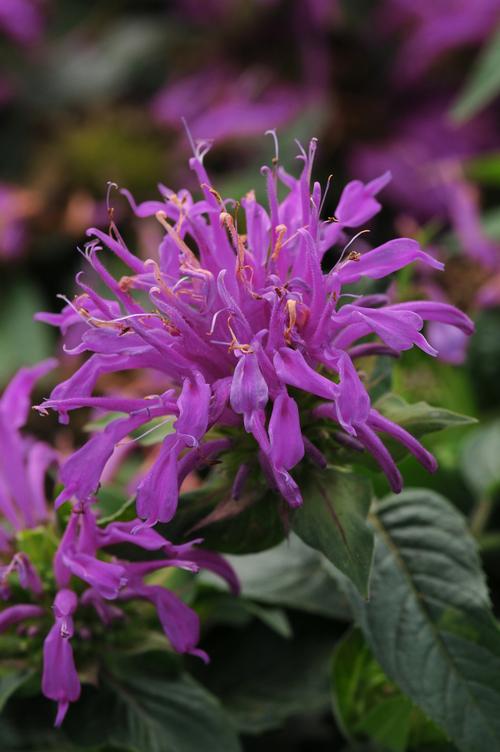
342 255
281 231
327 188
214 320
276 158
291 306
186 250
110 209
189 137
146 433
234 344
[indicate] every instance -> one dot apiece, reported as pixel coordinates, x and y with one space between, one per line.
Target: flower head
251 333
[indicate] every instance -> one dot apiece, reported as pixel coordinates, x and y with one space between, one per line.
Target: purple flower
423 152
232 325
23 463
16 205
220 103
434 29
60 680
21 20
85 550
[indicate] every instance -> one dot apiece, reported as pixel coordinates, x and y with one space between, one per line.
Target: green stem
480 516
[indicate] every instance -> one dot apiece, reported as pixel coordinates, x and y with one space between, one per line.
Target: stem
480 516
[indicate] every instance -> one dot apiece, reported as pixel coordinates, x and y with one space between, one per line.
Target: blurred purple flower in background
16 206
423 153
220 104
22 20
433 28
223 100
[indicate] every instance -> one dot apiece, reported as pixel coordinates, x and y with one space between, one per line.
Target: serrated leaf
367 705
332 520
483 85
292 575
428 621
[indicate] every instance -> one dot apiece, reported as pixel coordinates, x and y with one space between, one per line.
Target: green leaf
10 682
379 375
40 544
275 618
333 521
139 708
483 84
484 356
150 433
368 705
112 506
18 306
420 418
100 422
292 575
251 524
491 219
263 679
480 459
388 723
485 169
429 622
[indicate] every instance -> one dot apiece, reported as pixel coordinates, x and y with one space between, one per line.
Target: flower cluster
86 574
248 333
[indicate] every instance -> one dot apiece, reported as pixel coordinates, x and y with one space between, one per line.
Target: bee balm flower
246 331
81 564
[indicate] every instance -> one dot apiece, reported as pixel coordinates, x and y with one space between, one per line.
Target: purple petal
357 203
293 370
451 343
249 390
287 445
106 578
217 564
379 423
158 492
180 623
193 405
430 310
381 455
385 260
14 614
60 680
81 473
15 402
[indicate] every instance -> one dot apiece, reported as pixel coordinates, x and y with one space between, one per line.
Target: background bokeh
98 95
